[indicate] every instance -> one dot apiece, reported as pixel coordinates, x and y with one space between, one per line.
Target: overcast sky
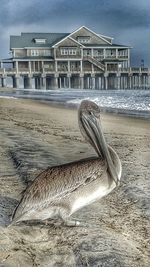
128 21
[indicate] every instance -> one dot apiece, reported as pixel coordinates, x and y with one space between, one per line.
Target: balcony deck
27 71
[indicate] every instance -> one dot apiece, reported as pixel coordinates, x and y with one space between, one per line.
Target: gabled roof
68 37
27 39
105 36
52 39
102 37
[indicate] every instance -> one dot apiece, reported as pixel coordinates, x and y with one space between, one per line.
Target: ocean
128 102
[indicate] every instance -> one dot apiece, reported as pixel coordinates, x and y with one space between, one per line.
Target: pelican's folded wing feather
59 181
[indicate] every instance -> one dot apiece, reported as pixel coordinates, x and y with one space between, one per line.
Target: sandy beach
35 135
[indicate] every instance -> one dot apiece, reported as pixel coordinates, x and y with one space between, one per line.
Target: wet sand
35 135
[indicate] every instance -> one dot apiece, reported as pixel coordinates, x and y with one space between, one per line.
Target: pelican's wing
59 181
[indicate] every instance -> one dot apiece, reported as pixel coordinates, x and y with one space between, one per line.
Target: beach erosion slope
35 135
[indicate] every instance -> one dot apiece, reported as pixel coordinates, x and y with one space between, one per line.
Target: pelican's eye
90 112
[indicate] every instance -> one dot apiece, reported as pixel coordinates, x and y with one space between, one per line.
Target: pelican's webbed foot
72 222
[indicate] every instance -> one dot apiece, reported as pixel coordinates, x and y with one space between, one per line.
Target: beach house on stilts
82 59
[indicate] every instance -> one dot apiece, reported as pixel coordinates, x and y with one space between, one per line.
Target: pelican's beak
95 135
92 128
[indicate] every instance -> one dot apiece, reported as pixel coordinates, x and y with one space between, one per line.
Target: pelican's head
89 108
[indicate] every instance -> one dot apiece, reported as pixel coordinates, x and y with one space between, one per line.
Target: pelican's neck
116 161
111 158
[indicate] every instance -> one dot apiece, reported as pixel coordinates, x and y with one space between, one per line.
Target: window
83 39
64 51
72 51
34 53
46 52
87 52
39 41
110 52
100 52
68 51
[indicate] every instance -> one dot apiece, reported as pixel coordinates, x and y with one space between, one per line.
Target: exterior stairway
95 62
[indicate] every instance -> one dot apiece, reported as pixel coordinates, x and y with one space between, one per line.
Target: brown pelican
60 191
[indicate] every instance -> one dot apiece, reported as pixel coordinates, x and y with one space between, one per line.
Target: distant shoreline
59 102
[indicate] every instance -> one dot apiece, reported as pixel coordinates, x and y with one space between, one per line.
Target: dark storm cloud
128 21
126 18
115 13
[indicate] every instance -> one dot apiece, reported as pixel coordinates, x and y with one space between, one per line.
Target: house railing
95 62
3 71
123 56
129 70
113 69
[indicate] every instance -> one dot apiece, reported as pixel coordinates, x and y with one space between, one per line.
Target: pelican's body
60 191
